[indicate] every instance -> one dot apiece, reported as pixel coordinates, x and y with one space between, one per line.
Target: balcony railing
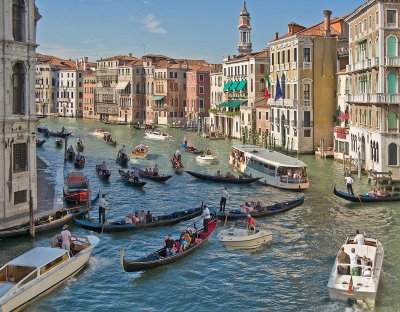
271 68
293 65
392 61
282 66
287 66
378 98
363 65
308 124
307 65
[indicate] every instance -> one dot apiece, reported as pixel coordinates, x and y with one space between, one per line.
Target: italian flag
267 87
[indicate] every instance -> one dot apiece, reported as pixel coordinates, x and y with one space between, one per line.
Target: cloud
90 41
146 1
153 25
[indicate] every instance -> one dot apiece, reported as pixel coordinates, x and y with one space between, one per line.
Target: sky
192 29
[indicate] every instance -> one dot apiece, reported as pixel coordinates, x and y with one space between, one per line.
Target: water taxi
40 270
361 288
155 135
100 132
273 168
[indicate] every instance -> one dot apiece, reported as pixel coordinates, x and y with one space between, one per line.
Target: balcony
392 61
282 66
293 65
289 103
308 124
271 68
376 98
363 65
287 66
307 65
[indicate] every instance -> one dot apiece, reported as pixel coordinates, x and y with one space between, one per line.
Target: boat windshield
293 174
15 273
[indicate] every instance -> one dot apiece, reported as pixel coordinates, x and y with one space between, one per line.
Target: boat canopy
271 157
38 257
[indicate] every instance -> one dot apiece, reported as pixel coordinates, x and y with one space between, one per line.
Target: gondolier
102 209
349 184
206 218
224 196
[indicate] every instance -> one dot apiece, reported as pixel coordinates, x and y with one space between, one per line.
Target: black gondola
159 178
191 149
60 134
70 154
120 226
366 198
130 180
222 179
159 258
79 146
103 173
59 142
79 161
122 159
42 129
39 142
263 211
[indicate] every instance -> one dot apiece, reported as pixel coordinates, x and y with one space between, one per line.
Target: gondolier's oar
226 214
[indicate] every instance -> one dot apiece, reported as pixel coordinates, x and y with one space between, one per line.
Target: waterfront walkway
45 196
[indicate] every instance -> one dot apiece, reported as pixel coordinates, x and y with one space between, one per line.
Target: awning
344 116
157 97
228 85
241 85
234 86
232 103
122 85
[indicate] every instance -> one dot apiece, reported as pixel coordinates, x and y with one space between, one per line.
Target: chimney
327 22
130 54
276 36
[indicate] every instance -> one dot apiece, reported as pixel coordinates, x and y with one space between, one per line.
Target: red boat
76 188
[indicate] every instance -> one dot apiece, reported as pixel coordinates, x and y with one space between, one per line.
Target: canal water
288 274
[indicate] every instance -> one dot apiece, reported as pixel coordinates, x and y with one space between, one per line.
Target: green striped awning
157 97
232 103
234 86
241 85
228 85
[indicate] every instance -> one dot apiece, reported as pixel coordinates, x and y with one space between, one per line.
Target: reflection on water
288 274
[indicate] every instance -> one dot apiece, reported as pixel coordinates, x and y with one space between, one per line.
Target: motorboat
207 159
156 135
100 132
42 269
361 288
76 187
244 238
140 151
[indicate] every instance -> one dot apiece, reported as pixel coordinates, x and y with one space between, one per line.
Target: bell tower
244 46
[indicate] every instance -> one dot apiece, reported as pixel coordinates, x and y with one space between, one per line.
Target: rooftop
38 257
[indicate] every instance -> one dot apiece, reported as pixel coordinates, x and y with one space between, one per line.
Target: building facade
18 185
374 97
89 94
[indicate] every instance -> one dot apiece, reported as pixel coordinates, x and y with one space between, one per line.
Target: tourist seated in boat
367 272
146 171
185 241
344 258
373 193
230 176
149 217
169 245
136 175
142 216
150 171
383 193
218 173
102 167
155 170
258 206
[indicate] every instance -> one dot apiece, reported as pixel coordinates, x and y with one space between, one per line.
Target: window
201 103
201 90
391 46
272 59
392 121
307 55
295 54
278 61
259 115
266 116
18 81
20 197
17 14
306 92
392 154
20 161
307 133
262 69
283 57
201 77
288 56
391 18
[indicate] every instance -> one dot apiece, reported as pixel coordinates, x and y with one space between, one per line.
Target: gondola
112 143
60 134
42 129
39 142
158 258
59 142
177 165
79 146
191 149
221 179
130 180
264 211
104 174
122 160
70 154
79 161
159 178
120 226
366 198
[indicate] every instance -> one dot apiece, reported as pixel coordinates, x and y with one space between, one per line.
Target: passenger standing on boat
136 175
344 258
206 218
155 170
65 238
251 223
102 209
224 196
359 239
178 154
149 217
354 270
349 184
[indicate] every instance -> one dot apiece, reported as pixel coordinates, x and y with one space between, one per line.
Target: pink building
89 88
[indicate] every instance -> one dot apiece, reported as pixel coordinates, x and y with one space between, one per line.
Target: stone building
45 86
304 65
89 93
18 117
373 85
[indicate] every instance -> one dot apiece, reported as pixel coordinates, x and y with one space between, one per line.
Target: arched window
391 46
392 154
391 83
18 86
283 86
176 86
377 47
137 88
392 121
370 49
17 19
152 88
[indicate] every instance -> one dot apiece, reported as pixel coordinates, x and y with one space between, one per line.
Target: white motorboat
361 288
100 132
207 159
40 270
140 152
155 135
243 238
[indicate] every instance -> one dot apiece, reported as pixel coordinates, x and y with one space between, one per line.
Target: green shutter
391 46
392 120
392 83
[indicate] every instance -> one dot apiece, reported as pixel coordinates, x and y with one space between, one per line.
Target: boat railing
291 180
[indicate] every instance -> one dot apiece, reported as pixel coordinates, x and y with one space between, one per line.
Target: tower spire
244 46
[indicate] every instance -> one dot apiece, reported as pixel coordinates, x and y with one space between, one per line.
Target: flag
350 289
267 87
278 94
